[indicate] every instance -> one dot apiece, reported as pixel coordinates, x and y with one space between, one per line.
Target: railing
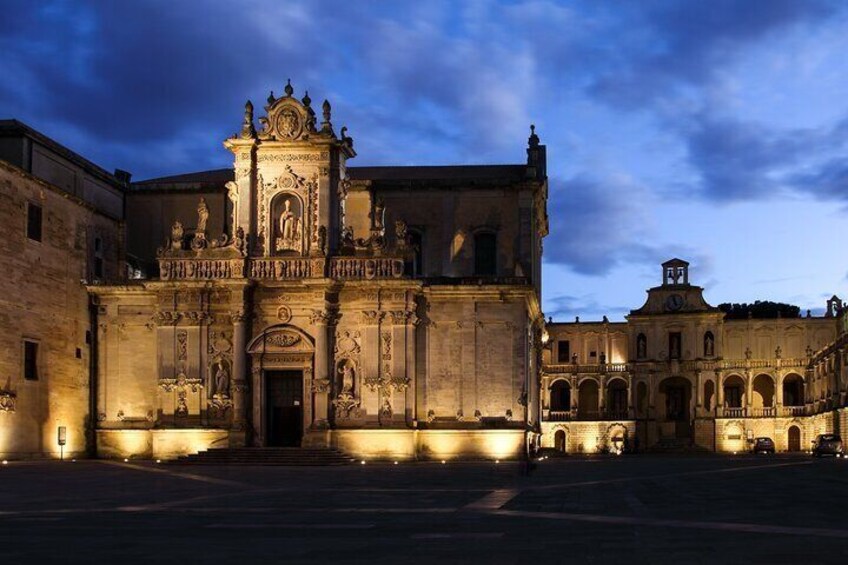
765 412
286 268
688 365
200 269
586 415
366 268
595 368
793 411
559 416
732 412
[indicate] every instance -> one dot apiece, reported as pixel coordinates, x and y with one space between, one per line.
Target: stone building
386 311
677 374
62 219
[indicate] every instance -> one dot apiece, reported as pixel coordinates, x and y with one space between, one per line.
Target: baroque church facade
389 312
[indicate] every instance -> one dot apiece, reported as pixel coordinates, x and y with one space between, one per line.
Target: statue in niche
709 345
222 380
379 215
347 376
289 226
202 215
177 234
641 346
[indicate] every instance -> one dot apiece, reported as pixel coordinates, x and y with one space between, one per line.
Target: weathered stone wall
43 299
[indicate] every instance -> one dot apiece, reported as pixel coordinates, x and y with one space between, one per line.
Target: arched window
709 344
485 254
641 346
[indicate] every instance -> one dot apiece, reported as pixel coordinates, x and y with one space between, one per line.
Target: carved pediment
281 339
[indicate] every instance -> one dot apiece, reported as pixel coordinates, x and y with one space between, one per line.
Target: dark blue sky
716 131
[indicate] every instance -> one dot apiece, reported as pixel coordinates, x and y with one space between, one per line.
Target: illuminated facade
678 375
386 311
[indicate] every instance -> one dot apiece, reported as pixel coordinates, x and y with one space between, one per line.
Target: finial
289 90
326 126
306 99
271 98
247 129
533 140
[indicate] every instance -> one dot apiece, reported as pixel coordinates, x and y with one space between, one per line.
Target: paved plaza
636 509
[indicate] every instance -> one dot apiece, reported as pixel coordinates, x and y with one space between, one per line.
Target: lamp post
62 439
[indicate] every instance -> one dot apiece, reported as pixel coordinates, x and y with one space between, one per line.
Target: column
411 363
602 390
719 394
631 404
239 388
778 393
749 392
320 384
575 397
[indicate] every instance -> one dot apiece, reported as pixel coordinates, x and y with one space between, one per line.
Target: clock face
674 302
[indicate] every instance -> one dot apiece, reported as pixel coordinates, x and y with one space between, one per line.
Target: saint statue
177 234
202 215
289 228
222 381
709 345
347 377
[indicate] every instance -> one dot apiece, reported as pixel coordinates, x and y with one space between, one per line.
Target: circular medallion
288 124
284 314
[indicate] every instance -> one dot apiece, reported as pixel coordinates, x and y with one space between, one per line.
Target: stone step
277 456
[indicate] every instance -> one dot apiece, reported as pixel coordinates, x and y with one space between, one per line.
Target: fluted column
320 385
239 388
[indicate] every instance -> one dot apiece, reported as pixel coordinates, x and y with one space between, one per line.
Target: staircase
266 456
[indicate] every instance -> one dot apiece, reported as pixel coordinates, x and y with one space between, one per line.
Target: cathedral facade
385 311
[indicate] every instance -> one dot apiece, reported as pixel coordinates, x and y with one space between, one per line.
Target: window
98 258
733 397
30 360
563 351
33 221
485 254
674 345
416 241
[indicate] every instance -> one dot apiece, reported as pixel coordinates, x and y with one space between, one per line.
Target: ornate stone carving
7 401
177 234
347 344
320 385
182 345
292 157
290 227
387 345
371 317
283 339
284 314
321 317
346 406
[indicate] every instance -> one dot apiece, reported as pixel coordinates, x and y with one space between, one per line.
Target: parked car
827 444
762 445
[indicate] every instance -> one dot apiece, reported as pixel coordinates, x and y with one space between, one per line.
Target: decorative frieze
200 268
347 268
292 157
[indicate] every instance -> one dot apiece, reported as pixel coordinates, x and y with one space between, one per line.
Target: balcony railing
586 415
793 410
733 412
559 416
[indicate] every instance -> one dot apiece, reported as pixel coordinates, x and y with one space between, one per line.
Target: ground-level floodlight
62 439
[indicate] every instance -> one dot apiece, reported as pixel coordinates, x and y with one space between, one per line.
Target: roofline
12 125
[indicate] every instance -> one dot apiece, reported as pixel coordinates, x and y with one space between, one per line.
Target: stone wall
43 298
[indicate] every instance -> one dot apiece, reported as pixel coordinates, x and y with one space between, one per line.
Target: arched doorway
560 396
793 391
763 398
675 406
734 396
559 441
587 408
617 399
794 436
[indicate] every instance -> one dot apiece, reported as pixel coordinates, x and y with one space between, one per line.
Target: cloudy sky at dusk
714 131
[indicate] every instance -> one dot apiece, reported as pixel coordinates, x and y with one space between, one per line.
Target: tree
760 309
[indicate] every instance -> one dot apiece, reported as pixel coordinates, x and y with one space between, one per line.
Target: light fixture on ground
62 439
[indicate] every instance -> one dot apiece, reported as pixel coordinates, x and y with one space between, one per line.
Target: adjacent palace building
387 312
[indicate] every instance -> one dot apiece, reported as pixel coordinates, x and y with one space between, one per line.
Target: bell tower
287 188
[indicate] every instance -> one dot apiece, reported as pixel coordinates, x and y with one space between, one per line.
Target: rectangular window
98 267
563 351
593 354
33 221
30 360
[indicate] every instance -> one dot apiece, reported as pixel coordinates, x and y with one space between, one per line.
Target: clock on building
674 302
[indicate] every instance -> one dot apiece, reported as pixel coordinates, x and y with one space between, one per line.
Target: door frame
268 379
279 348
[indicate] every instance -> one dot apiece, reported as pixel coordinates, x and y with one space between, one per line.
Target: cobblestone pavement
636 509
